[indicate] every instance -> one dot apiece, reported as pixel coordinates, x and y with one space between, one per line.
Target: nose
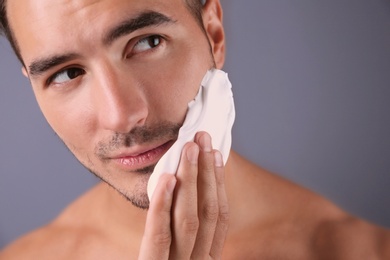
120 101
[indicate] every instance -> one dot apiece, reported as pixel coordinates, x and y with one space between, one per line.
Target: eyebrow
143 20
39 66
146 19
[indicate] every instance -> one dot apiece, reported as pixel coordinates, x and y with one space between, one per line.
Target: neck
122 212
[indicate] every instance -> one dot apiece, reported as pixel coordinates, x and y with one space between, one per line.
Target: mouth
143 157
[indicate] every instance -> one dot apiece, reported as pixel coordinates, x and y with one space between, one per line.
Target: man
113 79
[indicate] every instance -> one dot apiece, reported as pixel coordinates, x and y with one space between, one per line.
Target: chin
138 196
136 192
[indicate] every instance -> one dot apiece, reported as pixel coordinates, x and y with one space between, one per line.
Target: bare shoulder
58 241
348 237
63 238
288 221
325 231
39 244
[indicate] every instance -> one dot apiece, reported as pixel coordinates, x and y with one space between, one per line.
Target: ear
212 21
24 71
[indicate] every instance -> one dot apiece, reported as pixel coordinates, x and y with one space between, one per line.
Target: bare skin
206 211
270 218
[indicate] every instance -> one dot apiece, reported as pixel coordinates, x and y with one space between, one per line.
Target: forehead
61 23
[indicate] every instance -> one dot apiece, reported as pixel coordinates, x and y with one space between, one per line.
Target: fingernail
205 143
218 161
192 154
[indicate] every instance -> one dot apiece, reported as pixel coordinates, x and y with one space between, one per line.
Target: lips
142 158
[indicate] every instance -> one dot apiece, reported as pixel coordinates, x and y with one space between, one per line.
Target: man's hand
188 214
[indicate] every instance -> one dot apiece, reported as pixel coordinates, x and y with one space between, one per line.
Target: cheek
169 98
71 122
174 82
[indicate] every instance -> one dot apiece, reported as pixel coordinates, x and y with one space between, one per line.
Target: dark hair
6 30
194 6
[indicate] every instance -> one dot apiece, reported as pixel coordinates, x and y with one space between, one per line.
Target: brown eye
66 75
147 43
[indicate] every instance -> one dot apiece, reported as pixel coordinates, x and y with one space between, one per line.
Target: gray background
311 84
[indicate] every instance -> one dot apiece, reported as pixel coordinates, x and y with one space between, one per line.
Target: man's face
113 78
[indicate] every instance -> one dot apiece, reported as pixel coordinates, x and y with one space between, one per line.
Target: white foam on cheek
212 111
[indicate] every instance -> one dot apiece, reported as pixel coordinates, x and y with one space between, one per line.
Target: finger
157 237
208 209
185 211
223 218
